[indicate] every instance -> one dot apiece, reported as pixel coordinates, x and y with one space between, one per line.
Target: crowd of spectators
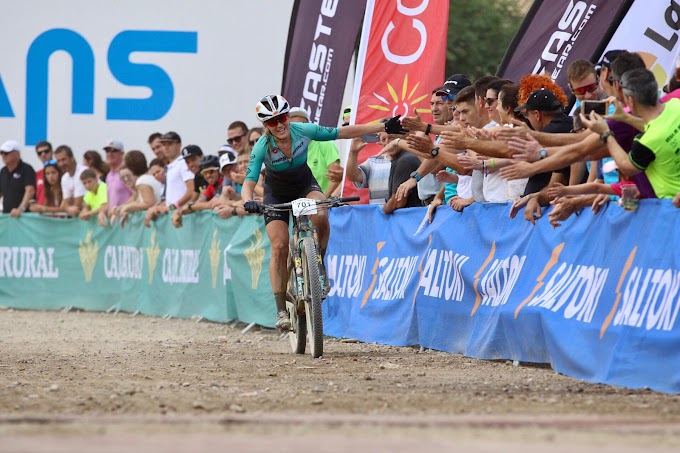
178 181
497 141
491 141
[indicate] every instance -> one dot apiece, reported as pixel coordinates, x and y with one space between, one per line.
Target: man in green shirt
657 150
322 157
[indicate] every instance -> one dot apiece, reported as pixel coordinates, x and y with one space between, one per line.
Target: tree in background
480 32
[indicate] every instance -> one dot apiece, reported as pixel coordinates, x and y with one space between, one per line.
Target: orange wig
532 82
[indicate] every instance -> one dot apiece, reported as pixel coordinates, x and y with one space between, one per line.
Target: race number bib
304 206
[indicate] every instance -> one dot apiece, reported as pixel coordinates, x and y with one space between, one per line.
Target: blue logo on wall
131 74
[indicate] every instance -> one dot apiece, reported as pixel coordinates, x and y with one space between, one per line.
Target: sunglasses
526 113
111 150
446 96
50 162
490 101
44 151
235 139
208 172
4 153
279 119
580 91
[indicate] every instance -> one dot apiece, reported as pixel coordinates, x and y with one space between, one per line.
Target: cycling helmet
271 106
209 161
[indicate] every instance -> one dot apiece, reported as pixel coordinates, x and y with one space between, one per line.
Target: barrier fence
213 268
598 298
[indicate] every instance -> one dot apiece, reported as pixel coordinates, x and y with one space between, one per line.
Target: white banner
651 29
81 72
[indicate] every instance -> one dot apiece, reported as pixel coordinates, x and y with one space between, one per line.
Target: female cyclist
283 149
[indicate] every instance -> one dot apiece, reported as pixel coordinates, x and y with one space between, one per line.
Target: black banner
321 42
558 32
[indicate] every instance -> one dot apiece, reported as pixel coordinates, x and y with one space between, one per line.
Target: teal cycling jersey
266 151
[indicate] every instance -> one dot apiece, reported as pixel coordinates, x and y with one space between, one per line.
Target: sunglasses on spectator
445 96
208 171
50 162
279 119
490 101
526 113
235 139
580 91
44 151
4 153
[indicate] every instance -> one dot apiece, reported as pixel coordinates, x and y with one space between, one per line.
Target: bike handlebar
328 203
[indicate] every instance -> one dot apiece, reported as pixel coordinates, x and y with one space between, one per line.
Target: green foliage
480 31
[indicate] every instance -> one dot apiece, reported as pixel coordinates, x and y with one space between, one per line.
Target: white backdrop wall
237 58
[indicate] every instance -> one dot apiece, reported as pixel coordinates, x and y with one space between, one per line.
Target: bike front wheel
298 322
311 268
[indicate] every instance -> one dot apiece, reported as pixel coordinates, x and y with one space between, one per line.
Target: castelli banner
401 60
556 33
321 41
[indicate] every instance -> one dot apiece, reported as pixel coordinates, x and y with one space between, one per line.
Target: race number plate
304 206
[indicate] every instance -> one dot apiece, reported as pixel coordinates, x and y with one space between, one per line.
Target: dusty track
96 382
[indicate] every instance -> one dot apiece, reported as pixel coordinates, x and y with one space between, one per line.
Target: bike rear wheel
311 268
297 335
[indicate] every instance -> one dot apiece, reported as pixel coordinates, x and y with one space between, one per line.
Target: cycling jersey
267 151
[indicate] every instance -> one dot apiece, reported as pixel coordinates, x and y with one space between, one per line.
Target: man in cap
17 180
545 114
423 178
116 191
604 70
448 93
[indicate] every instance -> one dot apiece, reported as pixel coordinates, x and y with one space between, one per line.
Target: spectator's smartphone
600 107
371 138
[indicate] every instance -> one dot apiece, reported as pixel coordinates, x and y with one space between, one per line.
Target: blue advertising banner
597 298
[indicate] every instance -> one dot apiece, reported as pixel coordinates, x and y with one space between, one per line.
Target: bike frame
302 228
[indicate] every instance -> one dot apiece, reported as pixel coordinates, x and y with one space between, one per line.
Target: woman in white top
147 190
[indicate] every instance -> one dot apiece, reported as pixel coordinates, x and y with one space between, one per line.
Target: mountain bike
307 282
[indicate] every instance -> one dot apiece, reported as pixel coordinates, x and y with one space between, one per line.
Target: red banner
401 60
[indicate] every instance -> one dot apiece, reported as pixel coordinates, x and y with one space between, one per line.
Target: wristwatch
542 153
434 151
605 135
416 176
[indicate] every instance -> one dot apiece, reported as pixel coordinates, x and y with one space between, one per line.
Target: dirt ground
112 382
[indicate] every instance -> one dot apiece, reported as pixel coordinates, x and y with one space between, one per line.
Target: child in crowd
95 200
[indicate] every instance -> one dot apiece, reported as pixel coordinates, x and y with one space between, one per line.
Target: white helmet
271 106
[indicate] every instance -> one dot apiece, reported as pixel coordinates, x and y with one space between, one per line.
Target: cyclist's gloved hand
252 207
393 126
